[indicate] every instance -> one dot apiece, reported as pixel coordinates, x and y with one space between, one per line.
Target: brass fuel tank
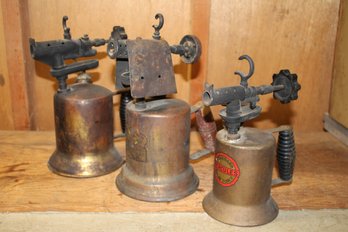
157 152
244 157
243 178
84 132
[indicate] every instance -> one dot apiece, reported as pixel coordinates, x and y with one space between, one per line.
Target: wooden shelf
26 184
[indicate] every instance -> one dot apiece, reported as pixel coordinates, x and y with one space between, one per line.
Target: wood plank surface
336 129
200 28
15 37
339 91
26 184
295 35
6 122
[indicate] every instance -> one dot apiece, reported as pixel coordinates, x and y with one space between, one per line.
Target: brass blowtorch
83 112
244 157
157 127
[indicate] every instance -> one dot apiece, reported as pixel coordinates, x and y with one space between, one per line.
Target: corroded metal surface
151 68
242 179
157 162
206 127
84 132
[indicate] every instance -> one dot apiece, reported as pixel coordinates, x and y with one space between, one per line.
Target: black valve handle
286 154
290 86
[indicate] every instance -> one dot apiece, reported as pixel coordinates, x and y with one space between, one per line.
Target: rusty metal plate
151 68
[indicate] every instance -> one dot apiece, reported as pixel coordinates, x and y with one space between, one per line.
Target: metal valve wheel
192 47
291 86
114 46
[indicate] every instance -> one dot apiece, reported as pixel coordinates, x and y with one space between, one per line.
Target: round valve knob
192 49
291 86
116 41
112 48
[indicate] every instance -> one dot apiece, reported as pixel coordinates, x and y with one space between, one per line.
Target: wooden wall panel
200 28
97 18
6 122
292 34
298 35
14 15
339 92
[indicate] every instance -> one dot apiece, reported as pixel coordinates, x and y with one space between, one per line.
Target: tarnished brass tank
244 157
157 127
84 132
242 179
83 112
157 152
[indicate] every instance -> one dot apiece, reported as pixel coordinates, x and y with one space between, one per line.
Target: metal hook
66 29
244 78
156 34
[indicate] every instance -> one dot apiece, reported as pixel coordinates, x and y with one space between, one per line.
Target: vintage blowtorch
83 112
189 51
157 128
244 157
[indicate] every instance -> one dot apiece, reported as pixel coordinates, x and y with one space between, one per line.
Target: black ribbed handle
125 99
286 154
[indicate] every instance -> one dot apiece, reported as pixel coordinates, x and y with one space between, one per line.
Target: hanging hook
156 34
66 29
244 78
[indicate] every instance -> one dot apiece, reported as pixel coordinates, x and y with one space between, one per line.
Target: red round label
226 170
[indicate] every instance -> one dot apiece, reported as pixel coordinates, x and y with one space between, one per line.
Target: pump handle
286 154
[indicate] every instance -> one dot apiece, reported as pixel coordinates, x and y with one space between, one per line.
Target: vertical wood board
200 28
6 122
295 35
339 92
14 34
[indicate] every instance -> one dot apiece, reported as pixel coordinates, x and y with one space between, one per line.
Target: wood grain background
320 179
339 94
291 34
